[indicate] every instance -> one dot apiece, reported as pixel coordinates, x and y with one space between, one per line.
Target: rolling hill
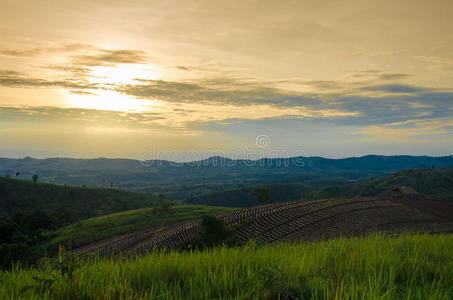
36 217
80 202
295 221
435 184
432 183
112 225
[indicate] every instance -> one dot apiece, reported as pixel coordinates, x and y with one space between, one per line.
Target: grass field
98 228
373 267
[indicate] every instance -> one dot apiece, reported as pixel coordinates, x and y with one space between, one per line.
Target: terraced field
293 221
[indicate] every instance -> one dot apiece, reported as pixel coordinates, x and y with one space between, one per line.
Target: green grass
374 267
98 228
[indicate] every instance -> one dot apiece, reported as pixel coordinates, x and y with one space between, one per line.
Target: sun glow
108 100
107 77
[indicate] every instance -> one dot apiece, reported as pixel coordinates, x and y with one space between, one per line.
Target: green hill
104 227
436 184
36 217
32 212
80 202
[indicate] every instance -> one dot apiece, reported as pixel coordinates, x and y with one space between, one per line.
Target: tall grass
373 267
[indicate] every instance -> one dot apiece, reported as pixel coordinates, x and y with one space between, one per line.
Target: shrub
262 194
213 231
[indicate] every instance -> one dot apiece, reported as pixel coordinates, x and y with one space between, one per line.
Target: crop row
284 221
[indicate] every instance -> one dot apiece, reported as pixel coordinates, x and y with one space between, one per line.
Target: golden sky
331 78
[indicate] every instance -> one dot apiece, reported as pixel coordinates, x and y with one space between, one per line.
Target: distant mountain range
185 180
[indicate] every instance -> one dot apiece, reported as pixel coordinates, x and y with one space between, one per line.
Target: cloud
393 108
410 130
127 135
324 84
81 92
434 59
9 73
14 79
86 117
218 90
78 67
80 71
365 98
394 76
33 51
395 88
203 68
104 57
86 132
396 103
373 53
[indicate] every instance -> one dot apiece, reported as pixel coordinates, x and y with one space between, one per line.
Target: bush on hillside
213 231
262 194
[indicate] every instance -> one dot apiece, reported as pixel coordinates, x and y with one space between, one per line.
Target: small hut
404 191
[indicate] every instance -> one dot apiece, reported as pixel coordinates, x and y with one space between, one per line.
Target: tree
35 178
213 231
262 194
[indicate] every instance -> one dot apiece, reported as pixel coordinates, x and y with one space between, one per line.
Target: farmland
296 221
113 225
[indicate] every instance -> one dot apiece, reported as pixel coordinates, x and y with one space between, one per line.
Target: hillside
435 184
180 180
300 220
113 225
243 197
80 202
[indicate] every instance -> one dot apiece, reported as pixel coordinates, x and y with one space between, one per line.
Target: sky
181 80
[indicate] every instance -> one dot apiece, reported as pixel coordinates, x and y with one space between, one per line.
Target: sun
106 98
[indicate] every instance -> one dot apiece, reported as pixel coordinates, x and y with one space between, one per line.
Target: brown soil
295 221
